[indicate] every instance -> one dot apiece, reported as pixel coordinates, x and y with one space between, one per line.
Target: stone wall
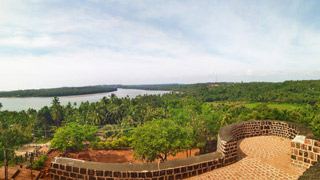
305 147
68 169
229 135
304 153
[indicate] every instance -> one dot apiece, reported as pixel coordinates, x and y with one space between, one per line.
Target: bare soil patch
23 175
113 156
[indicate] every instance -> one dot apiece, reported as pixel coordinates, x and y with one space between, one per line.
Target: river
18 104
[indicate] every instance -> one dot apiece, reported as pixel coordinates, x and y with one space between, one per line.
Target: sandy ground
23 175
30 147
22 150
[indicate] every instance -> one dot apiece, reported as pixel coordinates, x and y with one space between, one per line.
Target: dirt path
24 174
30 147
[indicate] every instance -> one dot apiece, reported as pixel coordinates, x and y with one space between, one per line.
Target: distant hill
157 86
304 91
172 87
63 91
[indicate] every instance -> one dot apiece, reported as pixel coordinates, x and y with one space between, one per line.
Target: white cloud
104 42
24 42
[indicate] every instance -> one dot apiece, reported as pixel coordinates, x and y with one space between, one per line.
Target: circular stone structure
304 151
305 147
259 158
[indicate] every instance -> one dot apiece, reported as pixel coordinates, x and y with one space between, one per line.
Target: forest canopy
193 115
64 91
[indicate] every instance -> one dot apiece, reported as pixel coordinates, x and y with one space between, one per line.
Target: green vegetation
38 164
64 91
72 137
280 106
187 119
171 87
296 92
121 143
43 140
158 139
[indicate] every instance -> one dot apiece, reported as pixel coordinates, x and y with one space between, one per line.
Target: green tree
315 125
72 136
44 122
56 111
157 139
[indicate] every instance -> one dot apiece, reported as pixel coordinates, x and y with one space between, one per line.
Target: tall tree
157 139
44 121
72 136
56 111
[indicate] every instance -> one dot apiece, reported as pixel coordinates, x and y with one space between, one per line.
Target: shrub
94 145
107 145
100 145
121 143
72 137
38 164
158 139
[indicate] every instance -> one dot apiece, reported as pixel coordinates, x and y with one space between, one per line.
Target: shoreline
59 95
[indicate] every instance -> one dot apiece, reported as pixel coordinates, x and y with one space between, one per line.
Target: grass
12 163
280 106
43 140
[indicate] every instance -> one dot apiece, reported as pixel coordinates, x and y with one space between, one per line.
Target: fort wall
305 152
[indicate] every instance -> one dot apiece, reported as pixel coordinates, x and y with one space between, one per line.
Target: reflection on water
18 104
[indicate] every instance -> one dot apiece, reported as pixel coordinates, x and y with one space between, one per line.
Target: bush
107 145
100 145
158 139
94 145
38 164
121 143
72 137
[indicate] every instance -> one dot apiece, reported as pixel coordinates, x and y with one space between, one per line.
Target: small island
63 91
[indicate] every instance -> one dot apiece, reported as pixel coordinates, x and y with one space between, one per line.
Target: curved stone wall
66 168
305 147
305 152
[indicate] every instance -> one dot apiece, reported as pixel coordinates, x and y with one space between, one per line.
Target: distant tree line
304 91
64 91
307 91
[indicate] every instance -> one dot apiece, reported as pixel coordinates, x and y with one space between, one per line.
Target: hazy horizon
56 43
158 84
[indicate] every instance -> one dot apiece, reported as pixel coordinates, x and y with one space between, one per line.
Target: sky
56 43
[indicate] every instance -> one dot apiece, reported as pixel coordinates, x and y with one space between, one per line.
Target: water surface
18 104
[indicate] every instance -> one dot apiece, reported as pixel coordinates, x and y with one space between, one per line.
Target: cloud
68 43
23 42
